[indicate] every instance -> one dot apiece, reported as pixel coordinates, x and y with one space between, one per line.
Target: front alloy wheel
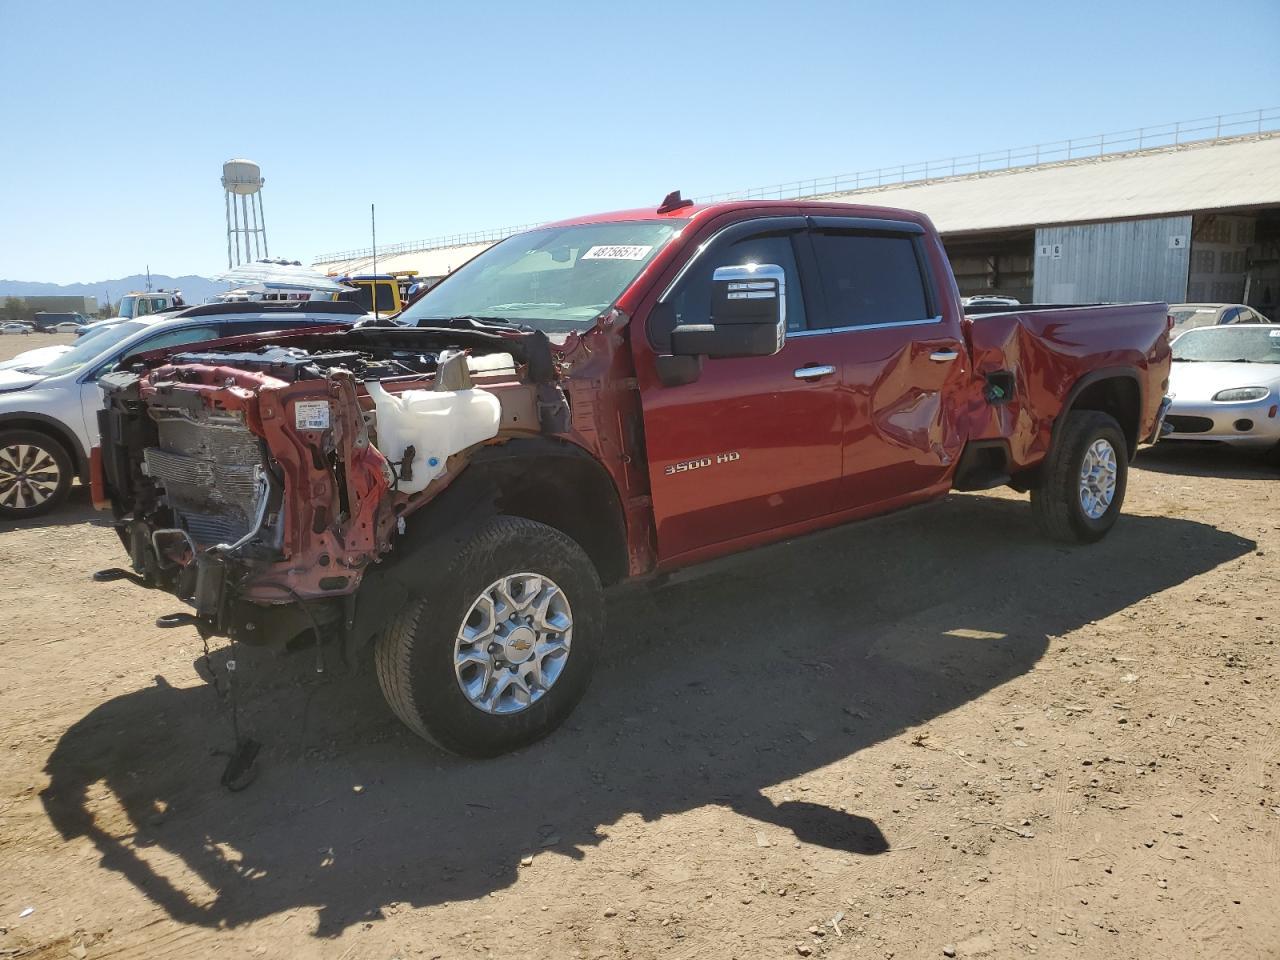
35 474
513 643
496 650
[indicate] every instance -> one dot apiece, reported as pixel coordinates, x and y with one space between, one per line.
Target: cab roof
699 212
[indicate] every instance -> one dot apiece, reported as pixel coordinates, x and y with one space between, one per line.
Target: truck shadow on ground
714 691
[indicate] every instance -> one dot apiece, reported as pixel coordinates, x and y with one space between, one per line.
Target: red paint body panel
1052 351
97 484
316 544
744 455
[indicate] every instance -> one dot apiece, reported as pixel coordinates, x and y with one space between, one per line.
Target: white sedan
15 328
1225 385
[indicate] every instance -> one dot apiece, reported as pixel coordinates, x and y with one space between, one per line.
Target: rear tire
1082 483
35 474
533 649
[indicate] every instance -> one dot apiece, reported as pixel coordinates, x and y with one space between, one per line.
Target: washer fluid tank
436 423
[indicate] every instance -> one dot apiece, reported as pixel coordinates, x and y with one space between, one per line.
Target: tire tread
1053 507
395 648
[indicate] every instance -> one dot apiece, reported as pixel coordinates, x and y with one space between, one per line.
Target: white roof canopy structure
1151 183
1233 173
280 277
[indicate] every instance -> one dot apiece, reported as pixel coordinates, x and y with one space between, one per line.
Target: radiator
208 468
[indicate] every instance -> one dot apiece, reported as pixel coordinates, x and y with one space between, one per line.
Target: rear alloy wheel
1082 480
35 474
498 650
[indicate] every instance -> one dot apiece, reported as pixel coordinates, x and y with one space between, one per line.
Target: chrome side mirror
748 315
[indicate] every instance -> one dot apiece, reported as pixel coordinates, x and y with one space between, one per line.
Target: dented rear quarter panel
1051 352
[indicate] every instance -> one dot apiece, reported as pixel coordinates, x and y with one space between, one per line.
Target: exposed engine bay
252 480
292 364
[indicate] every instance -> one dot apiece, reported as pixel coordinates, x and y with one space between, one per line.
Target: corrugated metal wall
1132 260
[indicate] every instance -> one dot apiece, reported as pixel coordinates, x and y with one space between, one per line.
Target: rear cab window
869 276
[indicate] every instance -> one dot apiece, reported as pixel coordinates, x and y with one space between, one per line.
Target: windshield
363 295
90 347
1189 317
556 279
127 305
1227 344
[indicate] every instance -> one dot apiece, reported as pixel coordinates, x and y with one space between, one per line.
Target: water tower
246 226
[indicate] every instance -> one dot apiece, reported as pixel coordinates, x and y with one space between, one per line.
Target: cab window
386 296
364 293
691 300
869 278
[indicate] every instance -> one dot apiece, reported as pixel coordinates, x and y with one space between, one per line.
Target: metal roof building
437 261
1187 211
1242 173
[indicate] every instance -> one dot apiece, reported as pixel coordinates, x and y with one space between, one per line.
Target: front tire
1083 480
35 474
497 652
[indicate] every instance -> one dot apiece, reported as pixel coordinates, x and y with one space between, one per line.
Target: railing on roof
1156 137
1159 136
435 243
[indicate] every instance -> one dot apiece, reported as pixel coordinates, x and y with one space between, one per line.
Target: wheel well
564 487
54 432
1117 396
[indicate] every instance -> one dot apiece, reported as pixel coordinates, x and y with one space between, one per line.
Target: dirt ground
933 733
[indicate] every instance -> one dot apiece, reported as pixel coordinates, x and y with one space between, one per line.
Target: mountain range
194 289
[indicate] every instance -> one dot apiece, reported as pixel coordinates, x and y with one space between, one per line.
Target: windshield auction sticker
617 252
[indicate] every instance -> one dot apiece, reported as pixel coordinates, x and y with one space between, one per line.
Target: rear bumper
1159 429
1253 423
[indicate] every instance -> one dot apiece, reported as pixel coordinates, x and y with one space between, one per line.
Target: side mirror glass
748 315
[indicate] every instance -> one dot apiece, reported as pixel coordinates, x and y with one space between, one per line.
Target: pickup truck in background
594 401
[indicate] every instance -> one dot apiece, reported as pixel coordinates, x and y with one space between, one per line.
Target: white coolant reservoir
436 423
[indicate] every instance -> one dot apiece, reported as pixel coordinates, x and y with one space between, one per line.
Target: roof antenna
672 202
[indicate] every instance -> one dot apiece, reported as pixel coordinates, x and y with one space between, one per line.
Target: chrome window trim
863 326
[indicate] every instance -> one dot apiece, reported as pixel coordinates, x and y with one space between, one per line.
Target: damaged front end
248 479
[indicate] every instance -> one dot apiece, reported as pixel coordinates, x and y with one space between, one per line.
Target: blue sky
461 116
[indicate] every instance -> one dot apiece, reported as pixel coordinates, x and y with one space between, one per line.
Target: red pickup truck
603 399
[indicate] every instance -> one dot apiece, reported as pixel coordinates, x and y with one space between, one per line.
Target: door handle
813 373
942 356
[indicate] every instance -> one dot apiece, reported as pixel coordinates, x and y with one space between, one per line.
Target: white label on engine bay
311 415
617 252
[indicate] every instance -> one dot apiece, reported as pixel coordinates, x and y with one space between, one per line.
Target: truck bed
1054 354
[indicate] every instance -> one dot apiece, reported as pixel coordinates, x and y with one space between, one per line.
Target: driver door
753 444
